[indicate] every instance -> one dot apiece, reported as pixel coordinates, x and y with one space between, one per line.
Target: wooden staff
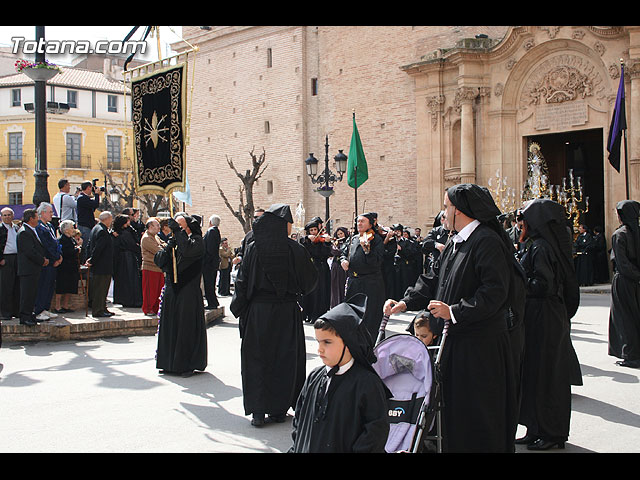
173 250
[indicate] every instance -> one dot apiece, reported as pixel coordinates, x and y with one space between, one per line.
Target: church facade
434 106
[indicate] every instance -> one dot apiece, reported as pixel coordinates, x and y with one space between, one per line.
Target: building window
269 58
314 86
16 97
114 152
15 149
112 103
267 127
73 150
72 98
15 198
269 187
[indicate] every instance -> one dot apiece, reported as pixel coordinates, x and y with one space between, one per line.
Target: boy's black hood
346 318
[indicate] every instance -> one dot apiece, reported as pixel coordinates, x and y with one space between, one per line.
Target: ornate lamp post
40 77
327 178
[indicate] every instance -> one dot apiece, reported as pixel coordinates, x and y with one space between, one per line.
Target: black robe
365 276
437 234
600 259
338 274
389 268
478 376
182 334
407 269
355 420
318 301
624 316
549 356
127 278
584 258
272 351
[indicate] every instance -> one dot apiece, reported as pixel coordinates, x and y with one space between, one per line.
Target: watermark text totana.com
76 47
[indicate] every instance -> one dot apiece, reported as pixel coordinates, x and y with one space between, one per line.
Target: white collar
464 234
343 368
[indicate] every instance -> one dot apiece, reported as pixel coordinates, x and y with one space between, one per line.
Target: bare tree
244 212
151 203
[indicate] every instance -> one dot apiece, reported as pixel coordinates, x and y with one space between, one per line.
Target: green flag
356 160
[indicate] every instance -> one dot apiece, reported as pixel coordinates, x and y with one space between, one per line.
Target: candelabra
572 198
503 195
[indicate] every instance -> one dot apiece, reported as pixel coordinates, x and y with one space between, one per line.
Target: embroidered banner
158 116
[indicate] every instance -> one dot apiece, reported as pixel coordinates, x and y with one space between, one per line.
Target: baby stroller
411 374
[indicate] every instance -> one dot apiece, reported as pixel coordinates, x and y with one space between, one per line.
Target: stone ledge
77 326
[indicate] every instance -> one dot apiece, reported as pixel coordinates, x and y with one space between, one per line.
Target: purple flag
618 124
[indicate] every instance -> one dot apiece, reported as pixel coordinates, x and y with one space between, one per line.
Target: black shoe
629 363
101 315
110 314
187 374
542 444
257 420
30 322
526 440
276 418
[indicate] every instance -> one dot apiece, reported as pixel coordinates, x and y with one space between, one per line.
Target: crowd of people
502 287
52 246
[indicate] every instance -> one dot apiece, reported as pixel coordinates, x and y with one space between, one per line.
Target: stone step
78 326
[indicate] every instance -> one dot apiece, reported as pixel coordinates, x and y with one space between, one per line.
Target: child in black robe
343 404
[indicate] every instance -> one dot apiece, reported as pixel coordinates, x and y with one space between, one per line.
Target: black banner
158 114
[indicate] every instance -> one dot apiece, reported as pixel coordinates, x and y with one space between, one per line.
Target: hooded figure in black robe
624 316
363 260
275 273
553 297
127 279
350 414
317 302
479 290
182 334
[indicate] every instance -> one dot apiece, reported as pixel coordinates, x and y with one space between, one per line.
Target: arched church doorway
582 153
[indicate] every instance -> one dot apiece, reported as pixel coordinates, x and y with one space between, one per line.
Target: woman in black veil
127 277
624 316
182 334
553 296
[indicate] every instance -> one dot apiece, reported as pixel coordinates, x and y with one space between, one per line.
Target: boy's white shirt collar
343 368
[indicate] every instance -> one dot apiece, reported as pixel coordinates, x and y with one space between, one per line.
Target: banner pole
173 251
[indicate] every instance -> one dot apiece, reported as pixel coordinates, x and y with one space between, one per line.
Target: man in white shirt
9 293
65 203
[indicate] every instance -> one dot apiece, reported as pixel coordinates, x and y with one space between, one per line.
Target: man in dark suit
211 261
47 281
9 290
31 259
100 259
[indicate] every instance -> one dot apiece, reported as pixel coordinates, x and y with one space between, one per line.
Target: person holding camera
87 203
64 202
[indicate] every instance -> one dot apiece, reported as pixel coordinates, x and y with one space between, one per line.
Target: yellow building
87 132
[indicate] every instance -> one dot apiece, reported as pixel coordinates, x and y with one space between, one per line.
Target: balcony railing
12 160
82 162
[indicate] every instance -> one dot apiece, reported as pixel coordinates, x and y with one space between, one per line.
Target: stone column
465 97
633 140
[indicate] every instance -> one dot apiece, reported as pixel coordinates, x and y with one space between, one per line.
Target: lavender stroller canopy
404 365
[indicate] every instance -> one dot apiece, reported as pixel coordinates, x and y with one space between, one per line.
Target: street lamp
327 178
40 77
114 195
